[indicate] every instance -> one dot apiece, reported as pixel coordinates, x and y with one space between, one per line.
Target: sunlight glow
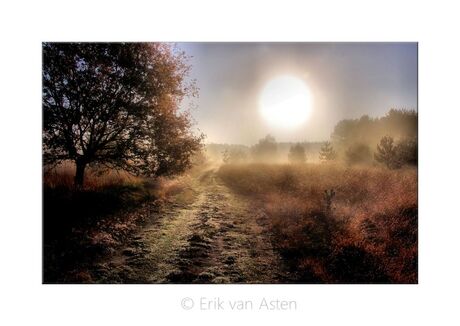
285 102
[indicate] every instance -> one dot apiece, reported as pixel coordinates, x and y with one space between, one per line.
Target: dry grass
369 235
83 224
62 176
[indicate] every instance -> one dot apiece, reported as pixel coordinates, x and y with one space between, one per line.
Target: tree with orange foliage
117 105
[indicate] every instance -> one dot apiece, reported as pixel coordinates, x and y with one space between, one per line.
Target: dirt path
219 238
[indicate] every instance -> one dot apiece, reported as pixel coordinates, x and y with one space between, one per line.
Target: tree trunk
79 174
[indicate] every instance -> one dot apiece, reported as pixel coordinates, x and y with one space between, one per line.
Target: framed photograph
230 163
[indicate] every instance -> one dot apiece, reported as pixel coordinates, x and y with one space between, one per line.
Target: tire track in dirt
219 238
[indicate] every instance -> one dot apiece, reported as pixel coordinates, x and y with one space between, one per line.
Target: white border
24 300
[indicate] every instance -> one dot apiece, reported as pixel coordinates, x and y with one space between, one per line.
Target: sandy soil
214 237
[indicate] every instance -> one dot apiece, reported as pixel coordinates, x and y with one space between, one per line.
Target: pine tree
387 154
327 152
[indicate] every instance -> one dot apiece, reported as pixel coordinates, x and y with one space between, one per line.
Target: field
234 223
366 234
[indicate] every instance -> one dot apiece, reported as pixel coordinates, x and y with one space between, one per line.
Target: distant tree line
365 130
390 140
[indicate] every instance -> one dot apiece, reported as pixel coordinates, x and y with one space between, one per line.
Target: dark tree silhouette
407 151
386 153
327 152
265 149
116 105
297 154
396 123
396 155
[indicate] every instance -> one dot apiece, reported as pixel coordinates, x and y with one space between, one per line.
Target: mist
346 81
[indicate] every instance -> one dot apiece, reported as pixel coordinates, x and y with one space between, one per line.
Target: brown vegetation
365 233
116 105
81 225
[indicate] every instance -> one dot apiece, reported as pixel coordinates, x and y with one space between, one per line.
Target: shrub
407 151
358 154
395 156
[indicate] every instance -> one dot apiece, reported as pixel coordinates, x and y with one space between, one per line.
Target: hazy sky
346 80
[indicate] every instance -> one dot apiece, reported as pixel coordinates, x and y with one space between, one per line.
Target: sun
285 102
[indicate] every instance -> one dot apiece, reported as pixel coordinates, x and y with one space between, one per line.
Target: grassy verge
80 226
368 233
